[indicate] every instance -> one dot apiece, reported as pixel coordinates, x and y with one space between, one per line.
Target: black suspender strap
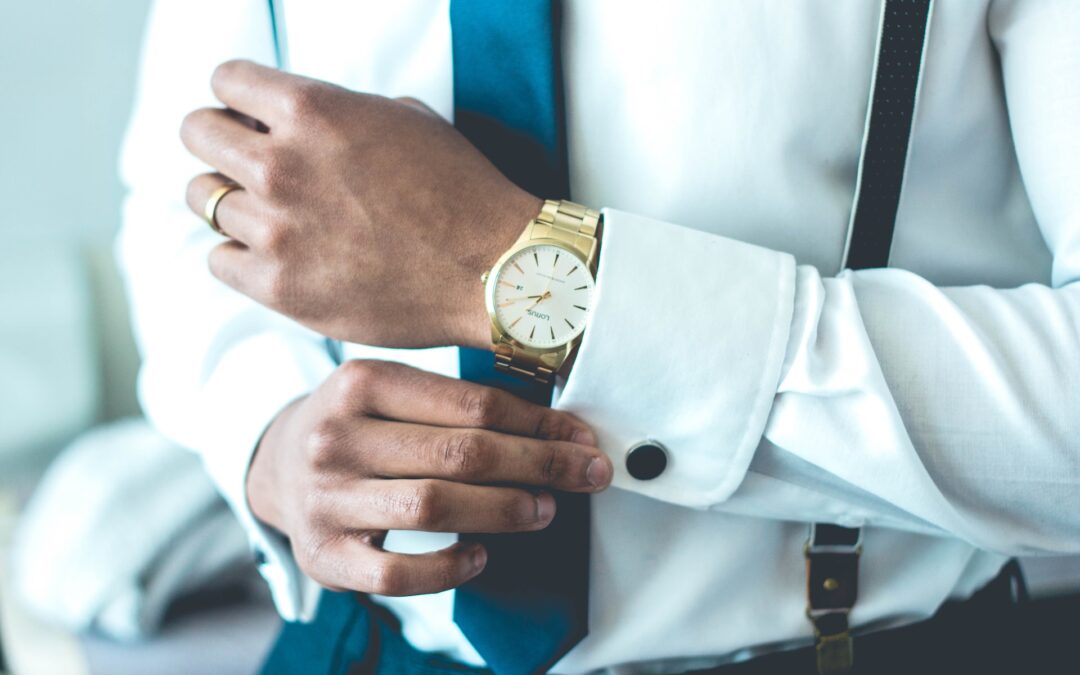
832 552
894 90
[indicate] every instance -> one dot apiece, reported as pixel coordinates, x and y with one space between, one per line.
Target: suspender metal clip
832 575
835 654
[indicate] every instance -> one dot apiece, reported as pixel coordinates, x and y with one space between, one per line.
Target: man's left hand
365 218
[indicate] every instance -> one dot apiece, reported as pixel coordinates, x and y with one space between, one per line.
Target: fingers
236 266
236 212
354 563
404 450
267 94
417 104
395 391
431 505
224 141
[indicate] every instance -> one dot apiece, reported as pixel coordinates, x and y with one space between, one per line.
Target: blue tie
530 605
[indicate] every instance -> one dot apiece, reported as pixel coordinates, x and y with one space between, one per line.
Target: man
733 382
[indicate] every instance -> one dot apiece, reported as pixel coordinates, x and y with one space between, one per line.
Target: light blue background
67 73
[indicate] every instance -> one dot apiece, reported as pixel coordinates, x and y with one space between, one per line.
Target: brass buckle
835 653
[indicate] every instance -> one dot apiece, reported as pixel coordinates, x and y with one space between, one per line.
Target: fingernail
545 506
584 437
599 473
479 557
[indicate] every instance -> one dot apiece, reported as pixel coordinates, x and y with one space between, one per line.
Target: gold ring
210 212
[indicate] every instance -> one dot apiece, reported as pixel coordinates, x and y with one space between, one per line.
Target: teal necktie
530 605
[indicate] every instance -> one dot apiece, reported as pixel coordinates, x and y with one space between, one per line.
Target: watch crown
484 277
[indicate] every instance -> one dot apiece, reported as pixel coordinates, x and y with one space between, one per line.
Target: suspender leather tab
832 576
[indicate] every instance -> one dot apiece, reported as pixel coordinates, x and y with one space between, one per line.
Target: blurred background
77 464
67 77
74 454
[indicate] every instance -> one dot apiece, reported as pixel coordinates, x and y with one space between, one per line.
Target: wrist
518 208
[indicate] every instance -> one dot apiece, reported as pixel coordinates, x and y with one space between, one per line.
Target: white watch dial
541 296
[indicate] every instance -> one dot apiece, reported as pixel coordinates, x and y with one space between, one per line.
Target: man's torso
744 119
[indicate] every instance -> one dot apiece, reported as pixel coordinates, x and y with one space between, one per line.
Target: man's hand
365 218
382 446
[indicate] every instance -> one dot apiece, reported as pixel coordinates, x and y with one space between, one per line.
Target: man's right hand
382 446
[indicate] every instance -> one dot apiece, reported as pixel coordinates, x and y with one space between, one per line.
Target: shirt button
646 460
260 558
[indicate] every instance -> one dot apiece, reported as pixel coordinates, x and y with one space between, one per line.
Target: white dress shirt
935 402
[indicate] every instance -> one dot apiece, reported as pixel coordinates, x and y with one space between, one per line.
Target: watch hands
539 299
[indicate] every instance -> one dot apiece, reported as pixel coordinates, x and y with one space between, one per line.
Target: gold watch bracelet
574 226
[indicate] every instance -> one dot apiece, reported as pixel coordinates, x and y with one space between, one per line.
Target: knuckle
215 261
354 378
269 171
304 100
555 466
277 286
315 505
218 261
550 424
272 236
446 575
462 454
386 577
518 511
417 104
194 193
282 289
187 129
321 445
189 126
226 71
423 506
480 406
312 554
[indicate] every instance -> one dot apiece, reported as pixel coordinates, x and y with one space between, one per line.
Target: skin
370 220
358 211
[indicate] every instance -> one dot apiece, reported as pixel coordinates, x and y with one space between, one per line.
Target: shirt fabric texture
933 403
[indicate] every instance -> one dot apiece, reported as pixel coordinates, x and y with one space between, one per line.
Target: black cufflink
646 460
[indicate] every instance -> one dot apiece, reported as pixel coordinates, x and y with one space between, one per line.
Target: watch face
541 296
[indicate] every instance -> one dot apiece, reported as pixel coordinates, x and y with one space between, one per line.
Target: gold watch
538 294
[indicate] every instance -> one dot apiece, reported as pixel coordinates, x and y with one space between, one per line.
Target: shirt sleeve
869 398
217 367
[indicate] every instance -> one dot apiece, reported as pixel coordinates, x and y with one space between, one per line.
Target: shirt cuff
239 401
686 338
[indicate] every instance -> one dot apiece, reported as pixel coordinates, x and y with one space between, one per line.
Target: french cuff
686 338
250 384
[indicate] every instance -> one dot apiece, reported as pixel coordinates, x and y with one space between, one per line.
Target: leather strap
832 587
832 552
894 92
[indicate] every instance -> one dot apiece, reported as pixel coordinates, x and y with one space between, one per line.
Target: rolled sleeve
685 344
